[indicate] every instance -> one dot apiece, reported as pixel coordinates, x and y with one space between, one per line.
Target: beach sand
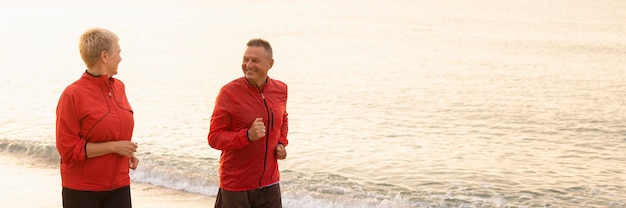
24 184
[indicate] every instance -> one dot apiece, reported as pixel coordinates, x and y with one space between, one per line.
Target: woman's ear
103 56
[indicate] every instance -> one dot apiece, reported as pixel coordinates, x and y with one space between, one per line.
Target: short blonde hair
93 42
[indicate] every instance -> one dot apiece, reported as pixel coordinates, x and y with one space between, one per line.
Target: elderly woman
94 126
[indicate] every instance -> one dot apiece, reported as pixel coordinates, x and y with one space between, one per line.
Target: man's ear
271 63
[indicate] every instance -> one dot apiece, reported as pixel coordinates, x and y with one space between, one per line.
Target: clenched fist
281 153
257 130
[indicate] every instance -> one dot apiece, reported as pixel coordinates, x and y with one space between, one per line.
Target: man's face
256 63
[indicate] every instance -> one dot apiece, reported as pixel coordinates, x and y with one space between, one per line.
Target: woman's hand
125 148
133 162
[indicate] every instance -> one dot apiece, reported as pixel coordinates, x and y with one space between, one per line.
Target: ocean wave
44 151
200 175
323 189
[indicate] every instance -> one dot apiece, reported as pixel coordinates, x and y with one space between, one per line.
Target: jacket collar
267 81
97 78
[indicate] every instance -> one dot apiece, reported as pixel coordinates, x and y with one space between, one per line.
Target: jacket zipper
108 100
267 133
112 99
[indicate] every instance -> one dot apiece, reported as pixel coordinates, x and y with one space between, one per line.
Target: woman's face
114 59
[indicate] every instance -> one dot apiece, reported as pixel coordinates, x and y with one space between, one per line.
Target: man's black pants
268 197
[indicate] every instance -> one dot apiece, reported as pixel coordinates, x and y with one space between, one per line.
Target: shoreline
27 185
148 195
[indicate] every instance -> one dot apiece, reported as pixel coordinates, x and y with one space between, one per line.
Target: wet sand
25 185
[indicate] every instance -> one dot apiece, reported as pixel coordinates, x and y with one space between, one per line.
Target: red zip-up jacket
246 165
93 109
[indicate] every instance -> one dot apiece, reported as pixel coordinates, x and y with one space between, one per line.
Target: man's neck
258 84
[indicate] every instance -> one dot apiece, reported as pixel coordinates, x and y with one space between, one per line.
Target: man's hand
257 130
133 162
281 153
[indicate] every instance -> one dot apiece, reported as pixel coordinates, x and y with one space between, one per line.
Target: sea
392 103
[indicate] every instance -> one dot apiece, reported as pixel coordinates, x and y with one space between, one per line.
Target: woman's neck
95 71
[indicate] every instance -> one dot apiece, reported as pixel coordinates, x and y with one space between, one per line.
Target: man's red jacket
246 165
93 109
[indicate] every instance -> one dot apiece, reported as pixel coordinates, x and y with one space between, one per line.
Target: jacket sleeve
285 127
283 131
222 136
70 146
